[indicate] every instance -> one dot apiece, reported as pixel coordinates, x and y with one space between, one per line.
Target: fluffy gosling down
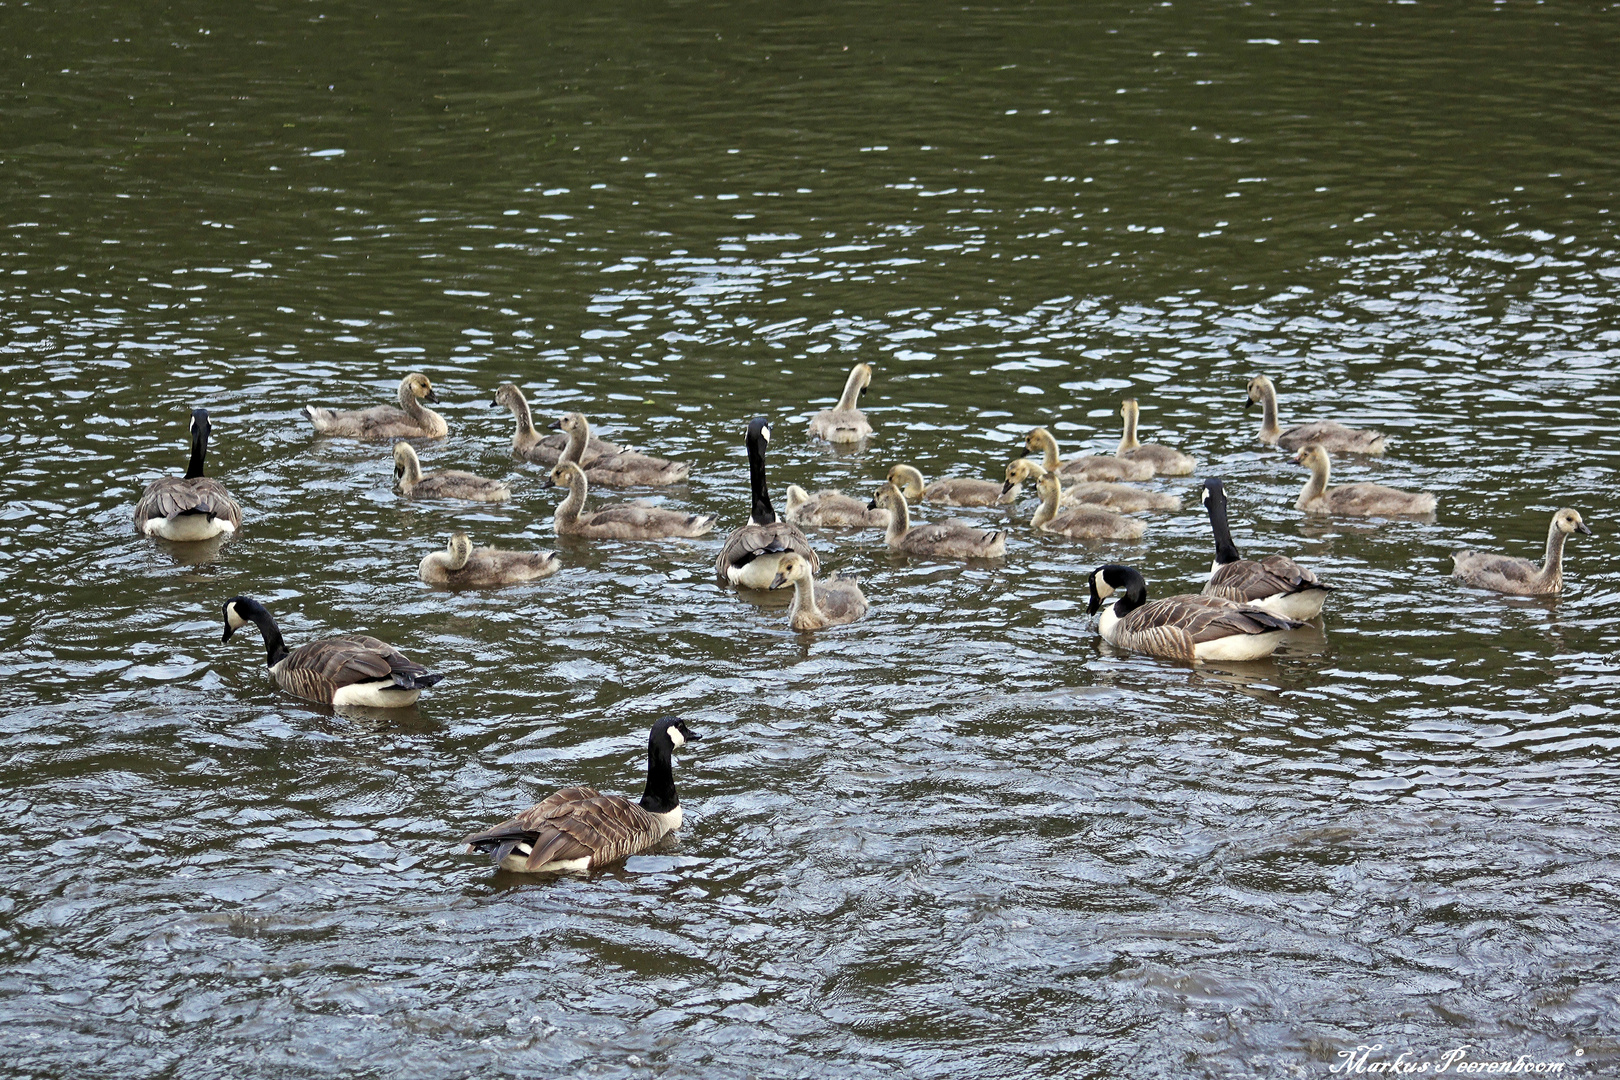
1091 467
630 522
444 484
1083 522
1328 434
844 423
355 670
190 507
578 830
527 442
1162 459
830 510
952 491
1187 627
1121 498
1355 500
461 564
411 420
948 540
1521 577
623 469
833 602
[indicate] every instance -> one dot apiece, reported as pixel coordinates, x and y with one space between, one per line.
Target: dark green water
960 838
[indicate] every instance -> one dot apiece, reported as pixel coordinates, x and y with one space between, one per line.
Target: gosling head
1569 521
421 387
1049 485
888 497
563 475
1257 391
862 374
568 423
1019 470
1036 440
1313 457
790 568
908 479
508 395
460 549
1129 408
405 460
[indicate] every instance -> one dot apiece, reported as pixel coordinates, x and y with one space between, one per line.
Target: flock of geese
1242 614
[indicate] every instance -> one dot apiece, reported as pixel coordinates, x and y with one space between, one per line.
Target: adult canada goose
1083 522
624 469
462 564
189 507
1327 434
1185 627
354 670
629 522
1354 500
833 602
1276 583
1090 467
949 540
1121 498
445 484
952 491
410 421
750 555
1521 577
1163 460
844 423
830 510
526 441
578 830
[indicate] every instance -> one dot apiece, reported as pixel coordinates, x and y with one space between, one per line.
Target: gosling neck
1269 431
899 520
409 401
852 391
568 510
578 438
1225 551
1049 452
1552 567
804 598
408 469
525 422
1317 484
1051 495
659 796
1128 441
199 450
456 558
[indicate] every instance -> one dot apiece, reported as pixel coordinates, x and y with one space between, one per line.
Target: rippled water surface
958 838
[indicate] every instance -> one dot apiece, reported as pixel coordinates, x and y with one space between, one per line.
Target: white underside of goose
757 573
188 528
375 695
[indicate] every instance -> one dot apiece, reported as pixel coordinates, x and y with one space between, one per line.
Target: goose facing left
1164 460
1186 627
1275 583
356 670
412 420
444 484
193 506
461 564
578 829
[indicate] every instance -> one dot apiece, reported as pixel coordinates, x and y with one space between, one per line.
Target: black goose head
1214 493
1113 577
239 611
670 733
759 434
199 424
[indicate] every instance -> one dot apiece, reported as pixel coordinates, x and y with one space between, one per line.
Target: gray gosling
1355 500
844 423
630 522
624 469
830 510
1121 498
190 507
1328 434
445 484
463 565
952 491
1083 522
1090 467
949 540
833 602
411 420
1164 460
527 442
1521 577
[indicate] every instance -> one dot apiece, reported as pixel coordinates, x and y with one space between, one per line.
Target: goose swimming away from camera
1091 467
1521 577
1328 434
1355 500
411 420
1083 522
1162 459
444 484
578 830
1187 627
1121 498
356 670
831 510
629 522
527 443
951 491
948 540
1276 583
832 602
461 564
190 507
751 555
624 469
844 423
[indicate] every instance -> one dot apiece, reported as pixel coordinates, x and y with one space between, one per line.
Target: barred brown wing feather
1248 580
176 495
318 670
574 823
752 541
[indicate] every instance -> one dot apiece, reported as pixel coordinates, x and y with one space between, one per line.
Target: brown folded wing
752 541
175 495
575 823
320 669
1248 580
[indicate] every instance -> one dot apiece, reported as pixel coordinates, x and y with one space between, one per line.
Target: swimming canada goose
410 421
952 491
1121 498
1163 460
526 441
624 469
1083 522
1090 467
1354 500
949 540
444 484
356 670
189 507
578 830
628 522
1521 577
833 602
1327 434
751 554
459 563
1187 627
844 423
831 510
1276 583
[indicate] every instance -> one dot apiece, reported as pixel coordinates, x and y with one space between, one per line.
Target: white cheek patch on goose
235 620
676 737
766 431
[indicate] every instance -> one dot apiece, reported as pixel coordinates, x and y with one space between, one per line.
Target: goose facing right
844 422
751 555
444 484
190 507
1276 583
578 829
1186 627
1521 577
461 564
410 421
628 522
834 602
1355 500
1329 434
948 540
357 670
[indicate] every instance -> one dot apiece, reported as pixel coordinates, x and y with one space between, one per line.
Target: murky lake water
959 838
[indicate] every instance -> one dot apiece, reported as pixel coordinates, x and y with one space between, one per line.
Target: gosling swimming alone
1521 577
461 565
844 422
